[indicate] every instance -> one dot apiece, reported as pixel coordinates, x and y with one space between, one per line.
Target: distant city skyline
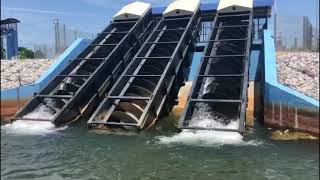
295 32
37 16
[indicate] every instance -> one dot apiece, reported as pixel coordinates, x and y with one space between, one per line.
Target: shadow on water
76 153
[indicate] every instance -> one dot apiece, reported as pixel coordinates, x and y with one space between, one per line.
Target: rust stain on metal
298 119
10 107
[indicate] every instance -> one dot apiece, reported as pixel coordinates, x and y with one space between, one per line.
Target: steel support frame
91 80
193 20
165 72
243 101
92 119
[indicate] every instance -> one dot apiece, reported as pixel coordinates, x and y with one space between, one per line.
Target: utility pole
275 22
64 37
317 14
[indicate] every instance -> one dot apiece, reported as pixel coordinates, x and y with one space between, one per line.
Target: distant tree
39 54
25 53
3 53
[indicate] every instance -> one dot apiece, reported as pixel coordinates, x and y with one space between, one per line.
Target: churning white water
205 117
33 127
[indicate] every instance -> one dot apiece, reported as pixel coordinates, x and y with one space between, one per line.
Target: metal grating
81 85
149 86
222 77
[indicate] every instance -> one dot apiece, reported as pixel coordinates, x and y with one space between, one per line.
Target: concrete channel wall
254 107
14 98
285 107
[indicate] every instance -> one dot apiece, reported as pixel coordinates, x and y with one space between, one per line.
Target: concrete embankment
299 71
15 74
34 75
290 101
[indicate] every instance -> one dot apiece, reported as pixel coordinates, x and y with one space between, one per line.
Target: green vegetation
25 53
39 54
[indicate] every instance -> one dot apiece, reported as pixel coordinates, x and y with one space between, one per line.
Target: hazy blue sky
92 15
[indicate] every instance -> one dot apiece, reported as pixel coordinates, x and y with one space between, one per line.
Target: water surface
75 153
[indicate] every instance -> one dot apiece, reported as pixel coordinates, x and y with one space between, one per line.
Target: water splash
206 118
24 127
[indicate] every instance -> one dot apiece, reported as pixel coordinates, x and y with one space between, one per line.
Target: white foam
205 118
203 137
33 127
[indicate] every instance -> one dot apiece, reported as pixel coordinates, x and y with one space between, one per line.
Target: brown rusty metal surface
10 107
302 120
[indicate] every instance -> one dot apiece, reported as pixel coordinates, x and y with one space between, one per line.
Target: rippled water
75 153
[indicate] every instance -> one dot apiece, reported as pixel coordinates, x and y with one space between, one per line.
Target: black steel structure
149 86
222 78
80 87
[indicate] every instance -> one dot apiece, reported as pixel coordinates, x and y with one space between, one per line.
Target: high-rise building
297 32
279 42
315 38
316 29
295 44
307 34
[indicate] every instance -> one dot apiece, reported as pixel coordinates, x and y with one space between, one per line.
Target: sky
37 16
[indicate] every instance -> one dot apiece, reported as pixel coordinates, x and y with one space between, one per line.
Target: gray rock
29 71
300 71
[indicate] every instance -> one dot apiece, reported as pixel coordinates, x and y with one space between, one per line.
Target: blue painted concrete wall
254 66
12 44
27 91
273 90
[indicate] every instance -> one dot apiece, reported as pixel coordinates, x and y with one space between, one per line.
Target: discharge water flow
33 127
205 117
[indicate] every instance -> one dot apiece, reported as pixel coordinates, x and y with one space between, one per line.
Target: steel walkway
222 78
81 85
149 86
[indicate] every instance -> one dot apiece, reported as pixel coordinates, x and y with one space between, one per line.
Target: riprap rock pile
29 71
300 71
